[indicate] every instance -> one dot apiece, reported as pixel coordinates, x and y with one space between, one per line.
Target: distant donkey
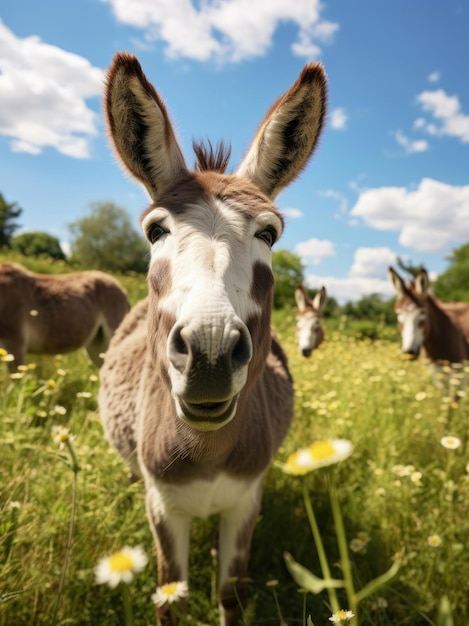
195 390
440 328
57 313
309 330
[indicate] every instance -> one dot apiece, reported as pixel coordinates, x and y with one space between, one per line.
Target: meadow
403 494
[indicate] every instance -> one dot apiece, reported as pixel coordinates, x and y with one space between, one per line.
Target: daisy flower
434 541
450 442
341 616
169 593
318 454
120 566
60 435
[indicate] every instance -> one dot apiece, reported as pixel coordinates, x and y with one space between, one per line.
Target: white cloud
314 250
293 214
338 119
419 145
372 262
225 31
337 196
350 289
446 111
429 218
43 92
434 77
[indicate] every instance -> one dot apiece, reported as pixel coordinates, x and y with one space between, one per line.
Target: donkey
309 330
441 329
51 314
195 392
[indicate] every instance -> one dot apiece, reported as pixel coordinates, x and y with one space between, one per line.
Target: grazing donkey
309 330
195 390
55 313
440 328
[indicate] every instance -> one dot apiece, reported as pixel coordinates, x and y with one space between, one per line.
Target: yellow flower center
169 589
120 562
321 450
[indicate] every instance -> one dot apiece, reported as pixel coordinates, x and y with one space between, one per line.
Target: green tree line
104 238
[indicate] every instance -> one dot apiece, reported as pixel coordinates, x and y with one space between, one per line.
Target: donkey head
309 331
210 233
411 311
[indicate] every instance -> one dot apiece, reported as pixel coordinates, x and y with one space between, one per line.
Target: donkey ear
288 134
139 126
422 282
301 298
396 281
319 299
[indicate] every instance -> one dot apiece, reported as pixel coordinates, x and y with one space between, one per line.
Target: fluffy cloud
42 96
446 110
337 119
367 275
429 218
418 145
313 251
226 31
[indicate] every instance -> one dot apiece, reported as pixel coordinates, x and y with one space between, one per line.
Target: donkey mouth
208 415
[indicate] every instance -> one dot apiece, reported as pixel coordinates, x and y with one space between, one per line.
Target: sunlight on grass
402 494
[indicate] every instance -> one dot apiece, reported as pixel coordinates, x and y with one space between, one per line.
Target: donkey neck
444 340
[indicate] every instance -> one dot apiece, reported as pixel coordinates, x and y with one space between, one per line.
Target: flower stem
343 551
320 548
129 618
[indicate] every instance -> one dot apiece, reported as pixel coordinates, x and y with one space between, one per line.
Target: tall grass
401 487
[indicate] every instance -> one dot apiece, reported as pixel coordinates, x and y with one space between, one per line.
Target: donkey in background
309 329
57 313
195 390
441 329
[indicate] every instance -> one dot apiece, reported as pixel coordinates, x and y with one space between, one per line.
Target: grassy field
401 487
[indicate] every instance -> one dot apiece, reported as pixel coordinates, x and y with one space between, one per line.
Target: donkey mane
209 158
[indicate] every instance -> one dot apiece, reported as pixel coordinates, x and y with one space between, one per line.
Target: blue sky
390 176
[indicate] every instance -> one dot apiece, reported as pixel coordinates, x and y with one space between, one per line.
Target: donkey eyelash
155 231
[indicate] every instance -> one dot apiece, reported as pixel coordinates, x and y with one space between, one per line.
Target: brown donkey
195 391
309 330
56 313
440 328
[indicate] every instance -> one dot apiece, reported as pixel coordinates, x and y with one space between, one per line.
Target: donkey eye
155 231
269 235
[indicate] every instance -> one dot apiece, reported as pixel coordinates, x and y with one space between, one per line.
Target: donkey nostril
178 349
242 350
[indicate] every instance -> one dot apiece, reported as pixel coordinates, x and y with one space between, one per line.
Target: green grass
351 388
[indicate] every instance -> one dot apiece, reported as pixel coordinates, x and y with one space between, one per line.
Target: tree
288 273
38 244
453 284
409 267
8 213
105 239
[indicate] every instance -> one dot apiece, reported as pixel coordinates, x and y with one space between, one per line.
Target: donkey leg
236 529
98 345
171 531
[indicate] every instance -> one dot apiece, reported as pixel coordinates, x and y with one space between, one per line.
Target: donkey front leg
236 530
171 531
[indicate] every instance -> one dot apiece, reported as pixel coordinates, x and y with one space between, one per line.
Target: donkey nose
190 346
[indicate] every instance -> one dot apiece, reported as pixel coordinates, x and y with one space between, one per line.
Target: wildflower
420 396
434 541
7 358
400 470
34 313
60 435
169 593
51 383
356 545
319 454
59 410
83 394
120 566
341 616
381 603
450 442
